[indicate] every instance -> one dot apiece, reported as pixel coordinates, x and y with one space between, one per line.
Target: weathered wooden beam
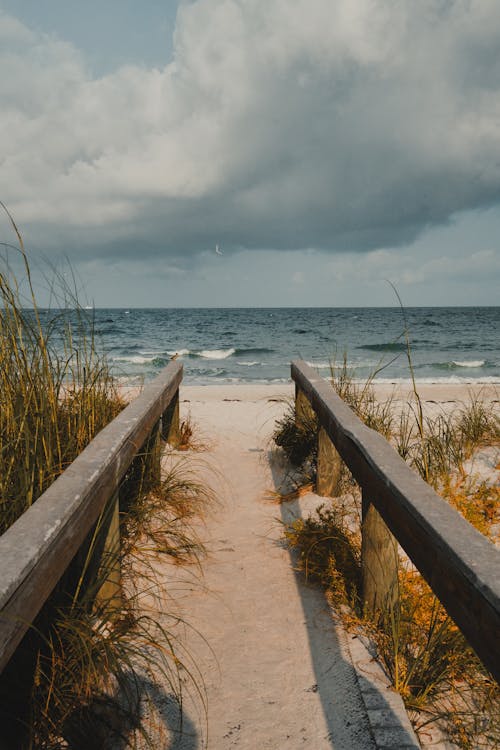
37 548
460 564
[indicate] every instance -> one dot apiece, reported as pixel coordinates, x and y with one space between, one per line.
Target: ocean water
256 345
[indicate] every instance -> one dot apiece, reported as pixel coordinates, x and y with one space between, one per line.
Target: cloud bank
345 125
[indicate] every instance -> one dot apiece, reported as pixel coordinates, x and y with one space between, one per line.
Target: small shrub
329 553
298 439
189 436
478 502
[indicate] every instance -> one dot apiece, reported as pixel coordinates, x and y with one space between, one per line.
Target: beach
430 393
203 402
276 669
201 198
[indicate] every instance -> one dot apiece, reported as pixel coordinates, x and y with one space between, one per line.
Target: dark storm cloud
344 125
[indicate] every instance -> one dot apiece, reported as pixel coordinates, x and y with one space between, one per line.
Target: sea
256 345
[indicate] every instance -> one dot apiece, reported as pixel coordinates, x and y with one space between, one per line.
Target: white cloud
406 268
346 124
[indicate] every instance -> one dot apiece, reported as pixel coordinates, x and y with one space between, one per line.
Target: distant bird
174 356
217 250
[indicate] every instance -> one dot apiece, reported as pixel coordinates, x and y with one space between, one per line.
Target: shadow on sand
338 685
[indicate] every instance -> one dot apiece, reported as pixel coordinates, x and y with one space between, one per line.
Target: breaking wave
470 363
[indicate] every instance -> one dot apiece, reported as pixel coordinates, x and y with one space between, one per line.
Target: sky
326 146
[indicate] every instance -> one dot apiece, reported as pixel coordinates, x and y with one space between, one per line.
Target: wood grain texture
460 564
36 550
329 466
109 595
303 412
170 422
379 561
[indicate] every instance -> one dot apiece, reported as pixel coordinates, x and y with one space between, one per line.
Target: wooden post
329 466
379 561
109 594
152 455
303 409
170 425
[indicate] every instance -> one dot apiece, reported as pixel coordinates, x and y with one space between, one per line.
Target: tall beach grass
56 389
91 667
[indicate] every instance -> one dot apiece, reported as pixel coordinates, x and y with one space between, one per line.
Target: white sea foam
339 366
251 364
216 353
135 360
469 363
319 365
179 352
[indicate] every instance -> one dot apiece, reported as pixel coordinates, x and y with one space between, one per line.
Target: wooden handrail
36 550
461 566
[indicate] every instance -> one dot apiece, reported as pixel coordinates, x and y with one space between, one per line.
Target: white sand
430 393
276 669
439 393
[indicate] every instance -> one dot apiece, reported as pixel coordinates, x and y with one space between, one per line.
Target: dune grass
91 667
56 389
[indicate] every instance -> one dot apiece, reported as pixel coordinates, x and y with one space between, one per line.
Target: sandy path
277 672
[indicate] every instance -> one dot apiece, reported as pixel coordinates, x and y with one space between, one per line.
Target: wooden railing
461 566
38 548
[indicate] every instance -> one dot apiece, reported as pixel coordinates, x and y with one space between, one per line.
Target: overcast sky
324 145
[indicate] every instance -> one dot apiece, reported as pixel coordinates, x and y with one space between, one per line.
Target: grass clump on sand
94 665
422 650
298 439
